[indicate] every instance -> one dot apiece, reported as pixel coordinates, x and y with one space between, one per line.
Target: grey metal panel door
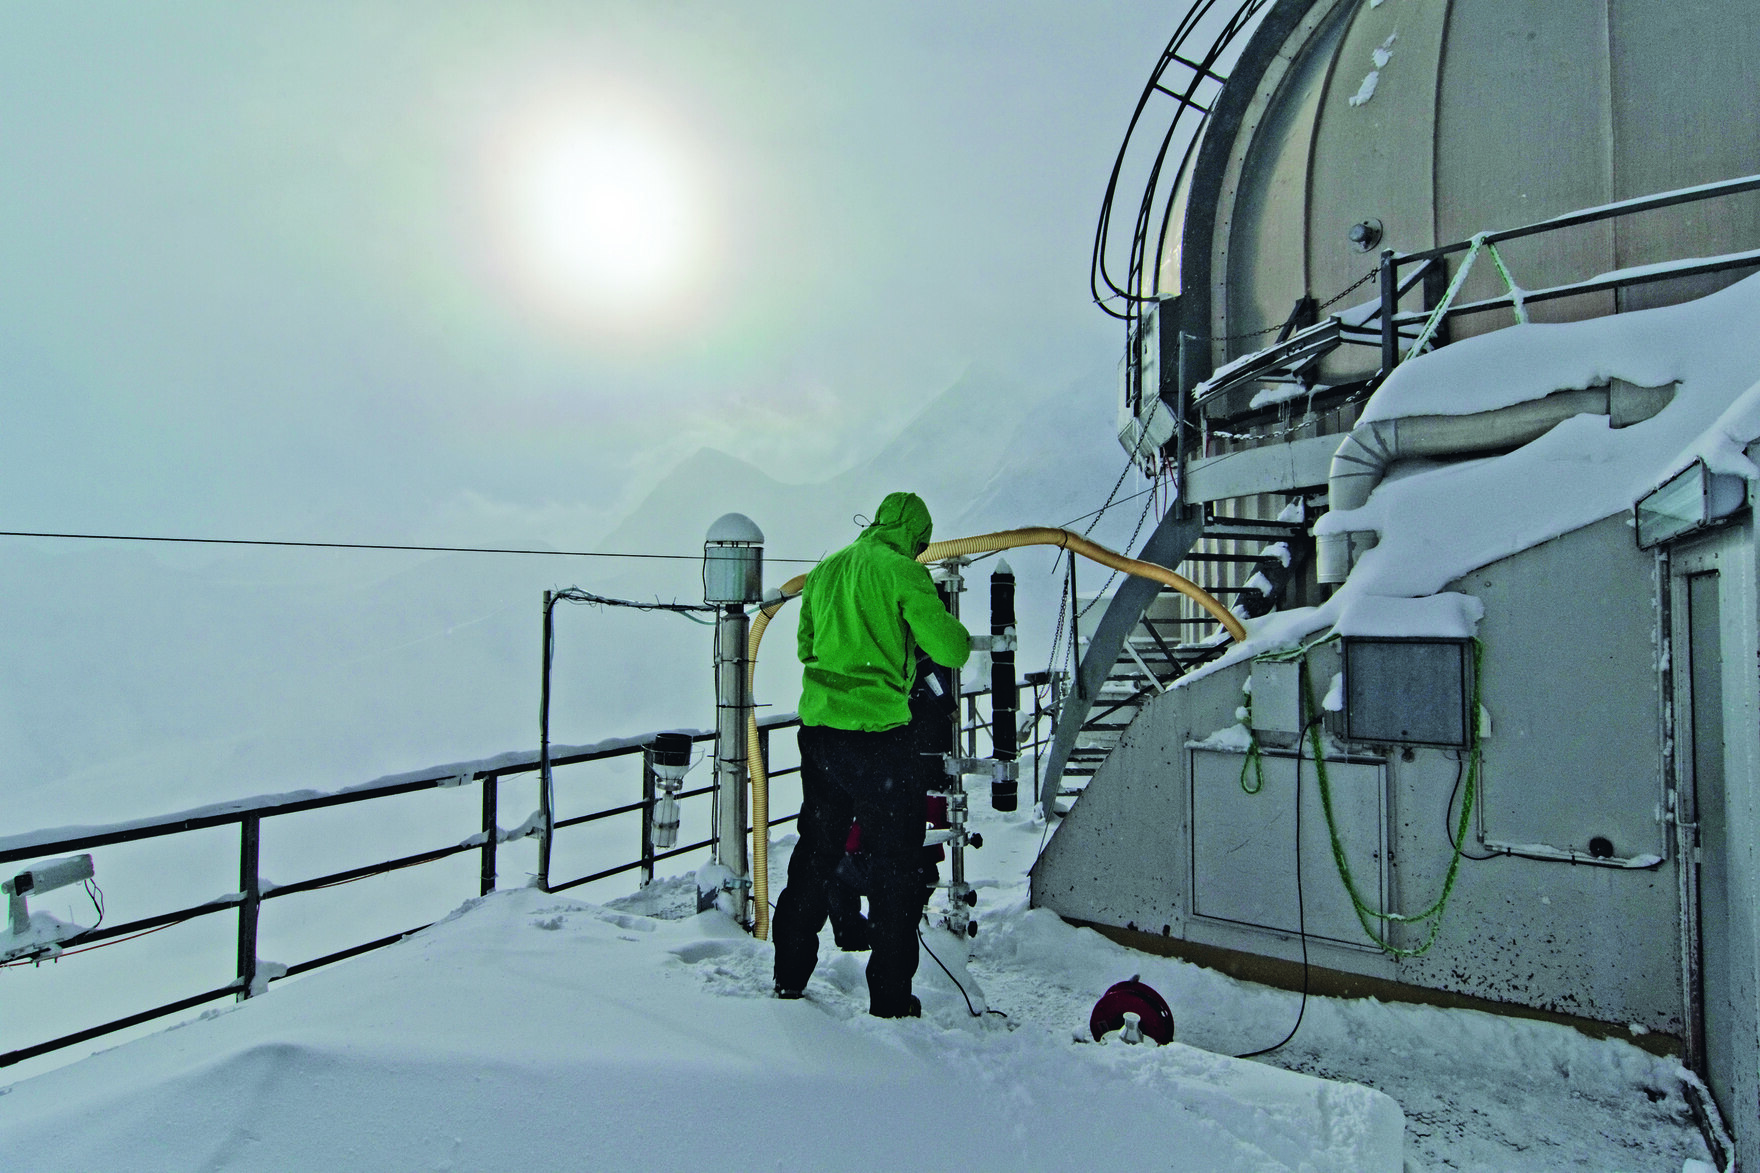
1716 1025
1244 845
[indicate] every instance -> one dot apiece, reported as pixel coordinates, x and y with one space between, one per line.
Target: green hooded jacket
864 610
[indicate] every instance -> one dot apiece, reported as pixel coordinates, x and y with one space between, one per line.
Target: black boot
912 1008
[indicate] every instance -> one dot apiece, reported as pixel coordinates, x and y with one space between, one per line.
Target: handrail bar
158 920
53 840
1666 199
474 843
93 1032
1617 279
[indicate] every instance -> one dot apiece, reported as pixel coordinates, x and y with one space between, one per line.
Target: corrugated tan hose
936 551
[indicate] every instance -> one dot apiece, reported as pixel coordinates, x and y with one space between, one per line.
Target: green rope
1367 915
1434 321
1515 291
1255 762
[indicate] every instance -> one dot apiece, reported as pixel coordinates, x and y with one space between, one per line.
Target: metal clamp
957 767
1008 641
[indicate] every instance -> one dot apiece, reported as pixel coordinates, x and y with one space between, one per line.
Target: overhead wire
370 546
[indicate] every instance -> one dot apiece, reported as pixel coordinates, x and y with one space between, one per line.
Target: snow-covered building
1494 739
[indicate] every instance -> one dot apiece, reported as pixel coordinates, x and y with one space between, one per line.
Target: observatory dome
1432 120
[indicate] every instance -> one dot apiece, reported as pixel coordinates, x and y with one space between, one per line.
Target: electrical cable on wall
1448 813
1301 903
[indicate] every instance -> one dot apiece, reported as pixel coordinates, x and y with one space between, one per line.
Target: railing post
950 584
1389 311
647 817
1435 287
249 883
549 814
1039 731
491 831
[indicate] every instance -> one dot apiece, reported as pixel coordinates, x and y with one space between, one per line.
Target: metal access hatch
1244 844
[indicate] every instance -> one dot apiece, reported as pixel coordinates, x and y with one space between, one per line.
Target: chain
1129 546
1293 428
1353 286
1327 304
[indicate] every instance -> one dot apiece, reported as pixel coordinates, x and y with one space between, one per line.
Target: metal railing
1392 262
1401 273
253 976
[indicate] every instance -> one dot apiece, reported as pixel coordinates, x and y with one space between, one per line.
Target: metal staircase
1147 638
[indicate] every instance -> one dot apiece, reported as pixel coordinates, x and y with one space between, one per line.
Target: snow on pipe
935 552
1364 457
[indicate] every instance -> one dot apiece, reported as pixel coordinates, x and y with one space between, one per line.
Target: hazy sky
309 269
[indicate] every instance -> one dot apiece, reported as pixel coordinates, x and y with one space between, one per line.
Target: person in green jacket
865 610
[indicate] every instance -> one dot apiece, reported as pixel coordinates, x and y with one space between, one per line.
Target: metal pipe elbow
1362 460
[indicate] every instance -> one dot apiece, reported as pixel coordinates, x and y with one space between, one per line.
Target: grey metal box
1277 696
1408 691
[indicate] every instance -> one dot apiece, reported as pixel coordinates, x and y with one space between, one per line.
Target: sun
599 212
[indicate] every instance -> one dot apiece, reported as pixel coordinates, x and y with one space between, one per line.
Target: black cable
1104 508
97 897
1097 514
38 960
1301 906
1460 769
1130 546
370 546
576 595
962 990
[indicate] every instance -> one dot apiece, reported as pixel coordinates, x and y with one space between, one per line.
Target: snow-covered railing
1391 262
253 976
1400 335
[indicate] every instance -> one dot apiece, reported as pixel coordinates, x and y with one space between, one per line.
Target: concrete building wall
1575 751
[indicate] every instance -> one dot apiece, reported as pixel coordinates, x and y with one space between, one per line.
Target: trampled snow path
531 1031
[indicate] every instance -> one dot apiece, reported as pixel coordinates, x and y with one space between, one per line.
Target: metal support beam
1172 539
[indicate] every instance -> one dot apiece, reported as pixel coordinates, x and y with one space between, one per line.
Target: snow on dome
1438 521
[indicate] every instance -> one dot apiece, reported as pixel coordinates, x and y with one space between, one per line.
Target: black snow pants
874 778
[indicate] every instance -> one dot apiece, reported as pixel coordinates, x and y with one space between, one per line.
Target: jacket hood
902 522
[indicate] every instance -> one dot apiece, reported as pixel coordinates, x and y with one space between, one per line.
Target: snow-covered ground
533 1032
